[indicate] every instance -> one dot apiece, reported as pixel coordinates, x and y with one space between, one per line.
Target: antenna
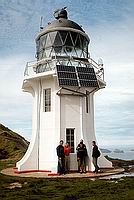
41 19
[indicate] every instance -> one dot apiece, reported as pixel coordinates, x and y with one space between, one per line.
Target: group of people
63 153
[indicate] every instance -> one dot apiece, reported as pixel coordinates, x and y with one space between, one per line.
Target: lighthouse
62 82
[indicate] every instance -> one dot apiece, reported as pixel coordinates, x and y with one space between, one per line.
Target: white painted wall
50 127
70 118
30 159
74 115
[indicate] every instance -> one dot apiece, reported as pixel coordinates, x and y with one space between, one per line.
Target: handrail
31 66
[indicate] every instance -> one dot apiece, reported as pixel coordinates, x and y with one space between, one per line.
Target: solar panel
68 82
85 70
61 68
87 83
87 77
76 76
67 75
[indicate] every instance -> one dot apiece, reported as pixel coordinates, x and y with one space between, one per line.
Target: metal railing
35 67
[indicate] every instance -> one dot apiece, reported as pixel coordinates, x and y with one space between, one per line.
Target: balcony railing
49 64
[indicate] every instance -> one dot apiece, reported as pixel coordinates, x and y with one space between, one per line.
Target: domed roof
62 22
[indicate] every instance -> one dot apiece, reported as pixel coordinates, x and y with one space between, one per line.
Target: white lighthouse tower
62 82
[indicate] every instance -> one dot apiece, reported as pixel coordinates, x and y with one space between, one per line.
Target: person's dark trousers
61 166
78 160
95 164
81 165
84 163
67 163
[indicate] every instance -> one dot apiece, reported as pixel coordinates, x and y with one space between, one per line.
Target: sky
109 24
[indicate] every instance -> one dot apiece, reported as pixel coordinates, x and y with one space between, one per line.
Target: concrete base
104 172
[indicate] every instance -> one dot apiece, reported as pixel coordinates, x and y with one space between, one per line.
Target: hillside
12 145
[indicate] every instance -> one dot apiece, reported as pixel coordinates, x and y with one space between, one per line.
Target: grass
12 145
65 189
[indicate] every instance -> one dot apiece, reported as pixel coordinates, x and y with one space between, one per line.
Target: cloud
15 106
114 106
111 29
114 118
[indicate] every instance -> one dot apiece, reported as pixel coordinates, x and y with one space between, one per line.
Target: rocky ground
128 165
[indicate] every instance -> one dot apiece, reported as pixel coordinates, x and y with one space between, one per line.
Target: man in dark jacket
61 158
95 155
81 157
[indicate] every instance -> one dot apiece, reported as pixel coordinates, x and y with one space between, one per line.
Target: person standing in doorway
67 151
81 157
61 158
95 155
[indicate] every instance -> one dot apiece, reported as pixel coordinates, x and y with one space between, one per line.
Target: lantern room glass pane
79 52
57 41
68 49
84 42
63 35
43 39
53 52
37 45
43 54
47 52
84 54
74 36
57 50
78 42
52 36
68 41
63 51
48 41
39 55
74 53
82 39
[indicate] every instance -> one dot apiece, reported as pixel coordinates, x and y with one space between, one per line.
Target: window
70 138
47 100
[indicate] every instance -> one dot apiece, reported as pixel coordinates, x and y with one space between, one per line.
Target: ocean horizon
127 154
